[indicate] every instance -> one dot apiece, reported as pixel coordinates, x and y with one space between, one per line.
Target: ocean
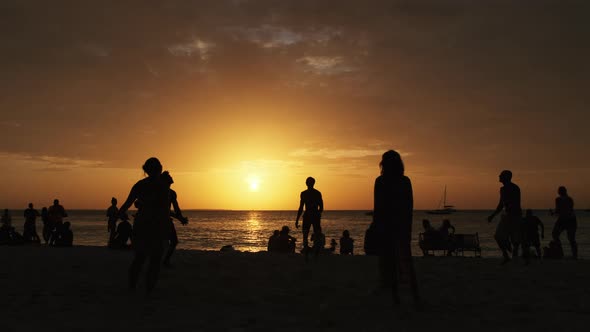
250 230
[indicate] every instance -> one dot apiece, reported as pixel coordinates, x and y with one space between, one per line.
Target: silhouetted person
333 245
393 208
447 232
151 222
64 237
427 226
346 244
286 242
273 241
508 229
314 206
8 235
531 226
113 216
123 234
30 227
47 225
319 242
566 220
56 213
172 236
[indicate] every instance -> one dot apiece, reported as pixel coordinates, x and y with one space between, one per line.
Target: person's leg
173 242
557 229
571 237
501 237
154 266
135 268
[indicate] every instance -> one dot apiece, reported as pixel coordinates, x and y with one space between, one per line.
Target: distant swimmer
314 206
566 220
509 227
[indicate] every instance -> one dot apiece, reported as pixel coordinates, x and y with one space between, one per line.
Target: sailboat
444 208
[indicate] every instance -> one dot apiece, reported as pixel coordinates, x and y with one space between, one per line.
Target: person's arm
498 208
177 212
130 199
321 205
300 211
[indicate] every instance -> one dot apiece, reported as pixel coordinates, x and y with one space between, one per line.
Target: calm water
249 230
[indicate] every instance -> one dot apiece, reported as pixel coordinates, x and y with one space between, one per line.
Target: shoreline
84 287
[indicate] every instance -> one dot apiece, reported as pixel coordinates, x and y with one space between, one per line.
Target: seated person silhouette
8 235
346 244
64 237
273 242
319 242
123 234
333 245
447 232
428 229
286 243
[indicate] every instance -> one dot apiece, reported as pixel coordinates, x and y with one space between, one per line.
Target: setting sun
253 183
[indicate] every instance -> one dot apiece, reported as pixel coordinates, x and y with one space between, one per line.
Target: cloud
48 162
194 47
354 153
11 124
325 65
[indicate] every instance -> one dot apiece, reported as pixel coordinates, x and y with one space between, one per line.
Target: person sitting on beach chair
448 236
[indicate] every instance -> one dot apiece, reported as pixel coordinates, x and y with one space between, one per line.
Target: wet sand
84 289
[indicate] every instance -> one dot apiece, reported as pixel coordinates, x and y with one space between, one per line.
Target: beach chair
431 242
467 242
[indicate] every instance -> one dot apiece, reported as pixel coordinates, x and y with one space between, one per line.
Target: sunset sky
242 100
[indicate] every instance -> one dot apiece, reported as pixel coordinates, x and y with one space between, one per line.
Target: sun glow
253 182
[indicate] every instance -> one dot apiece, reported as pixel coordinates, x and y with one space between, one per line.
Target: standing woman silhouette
392 217
149 229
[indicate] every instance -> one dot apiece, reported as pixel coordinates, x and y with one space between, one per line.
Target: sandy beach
84 288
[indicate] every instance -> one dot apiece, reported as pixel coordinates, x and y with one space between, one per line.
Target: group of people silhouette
55 231
514 232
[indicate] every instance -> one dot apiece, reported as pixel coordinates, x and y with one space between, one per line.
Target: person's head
276 232
505 176
391 164
310 182
285 230
44 209
30 205
446 223
113 201
426 223
333 242
346 233
56 201
137 204
66 225
529 212
167 178
562 191
152 167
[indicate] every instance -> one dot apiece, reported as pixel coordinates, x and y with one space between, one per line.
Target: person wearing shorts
314 206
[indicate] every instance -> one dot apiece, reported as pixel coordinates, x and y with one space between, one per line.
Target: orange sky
231 94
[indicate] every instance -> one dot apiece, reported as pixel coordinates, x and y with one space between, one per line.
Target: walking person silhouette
566 220
151 221
509 227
